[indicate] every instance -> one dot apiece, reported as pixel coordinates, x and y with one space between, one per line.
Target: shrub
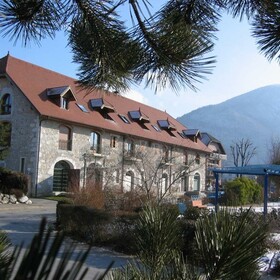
229 244
90 196
83 222
4 245
121 232
241 191
12 180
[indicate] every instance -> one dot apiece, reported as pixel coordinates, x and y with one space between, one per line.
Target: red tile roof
34 81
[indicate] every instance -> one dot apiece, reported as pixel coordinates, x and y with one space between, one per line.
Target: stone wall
24 136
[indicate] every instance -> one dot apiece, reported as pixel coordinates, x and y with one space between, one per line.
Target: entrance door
61 176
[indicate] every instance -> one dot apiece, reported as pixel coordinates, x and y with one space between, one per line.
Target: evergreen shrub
11 180
242 191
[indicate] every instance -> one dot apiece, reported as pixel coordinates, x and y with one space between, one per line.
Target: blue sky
240 68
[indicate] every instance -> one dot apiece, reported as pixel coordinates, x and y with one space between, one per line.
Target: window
6 104
82 108
65 141
117 176
64 103
128 181
166 156
196 182
186 160
130 147
197 159
155 128
124 119
95 142
22 165
113 142
184 182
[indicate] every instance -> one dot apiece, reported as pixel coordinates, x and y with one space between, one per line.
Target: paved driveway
21 222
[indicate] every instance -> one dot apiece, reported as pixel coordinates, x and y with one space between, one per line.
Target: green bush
242 191
11 180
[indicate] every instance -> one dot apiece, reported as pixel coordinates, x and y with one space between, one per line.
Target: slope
254 115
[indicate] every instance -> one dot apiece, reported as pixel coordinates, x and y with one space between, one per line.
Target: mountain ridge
253 115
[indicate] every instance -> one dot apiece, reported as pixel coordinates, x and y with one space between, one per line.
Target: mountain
254 115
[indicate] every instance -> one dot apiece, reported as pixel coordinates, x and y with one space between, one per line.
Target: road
22 221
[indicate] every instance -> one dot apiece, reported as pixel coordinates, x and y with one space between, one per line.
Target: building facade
63 136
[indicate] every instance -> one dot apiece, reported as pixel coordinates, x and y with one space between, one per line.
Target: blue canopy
261 170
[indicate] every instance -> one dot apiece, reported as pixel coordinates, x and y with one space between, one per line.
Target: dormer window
102 106
167 126
61 96
139 116
192 134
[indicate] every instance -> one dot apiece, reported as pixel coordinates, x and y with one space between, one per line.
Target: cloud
137 96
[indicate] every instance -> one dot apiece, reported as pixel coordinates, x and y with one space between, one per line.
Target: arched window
95 142
60 176
6 104
196 182
65 138
128 181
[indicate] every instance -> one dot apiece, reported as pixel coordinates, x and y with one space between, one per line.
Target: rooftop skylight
82 107
124 119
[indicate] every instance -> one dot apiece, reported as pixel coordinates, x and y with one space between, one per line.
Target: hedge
12 180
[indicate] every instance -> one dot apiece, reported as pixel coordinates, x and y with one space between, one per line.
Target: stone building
63 136
216 158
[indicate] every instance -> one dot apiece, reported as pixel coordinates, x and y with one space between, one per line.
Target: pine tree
168 47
